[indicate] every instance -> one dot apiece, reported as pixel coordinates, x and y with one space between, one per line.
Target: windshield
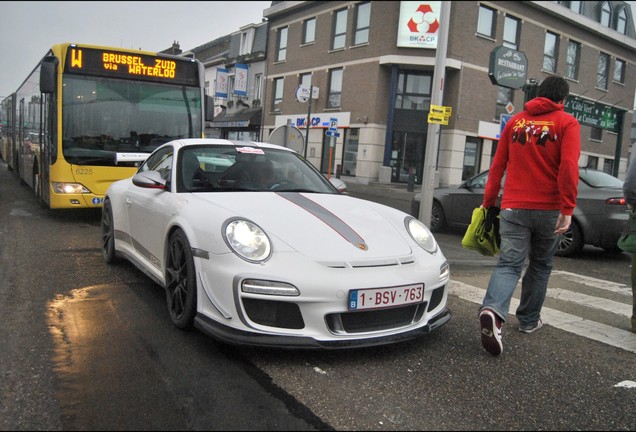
102 116
599 179
213 168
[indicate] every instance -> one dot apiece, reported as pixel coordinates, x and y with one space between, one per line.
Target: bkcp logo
424 20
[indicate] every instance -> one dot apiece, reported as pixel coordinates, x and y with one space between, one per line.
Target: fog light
444 271
257 286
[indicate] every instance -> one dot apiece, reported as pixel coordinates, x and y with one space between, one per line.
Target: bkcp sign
593 114
508 67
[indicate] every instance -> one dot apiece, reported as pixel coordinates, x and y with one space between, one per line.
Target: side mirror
338 184
149 180
48 76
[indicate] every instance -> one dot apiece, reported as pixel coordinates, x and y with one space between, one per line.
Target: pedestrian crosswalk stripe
594 282
564 321
590 301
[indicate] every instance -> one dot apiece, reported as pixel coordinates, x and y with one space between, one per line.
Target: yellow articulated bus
88 115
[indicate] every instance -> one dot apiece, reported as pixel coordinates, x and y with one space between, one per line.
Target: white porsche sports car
255 246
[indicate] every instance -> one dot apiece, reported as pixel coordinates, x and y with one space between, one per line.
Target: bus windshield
102 117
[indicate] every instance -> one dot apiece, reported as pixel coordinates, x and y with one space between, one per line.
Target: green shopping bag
478 237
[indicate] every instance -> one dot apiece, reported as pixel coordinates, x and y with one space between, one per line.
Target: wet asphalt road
88 346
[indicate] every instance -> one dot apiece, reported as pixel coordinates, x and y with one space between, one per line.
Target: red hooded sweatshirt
539 150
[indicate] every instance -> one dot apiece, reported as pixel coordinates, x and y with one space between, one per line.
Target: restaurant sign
593 114
508 67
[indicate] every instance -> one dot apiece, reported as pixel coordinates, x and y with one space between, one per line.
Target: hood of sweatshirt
541 105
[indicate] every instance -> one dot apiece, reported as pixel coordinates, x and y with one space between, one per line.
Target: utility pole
432 137
311 90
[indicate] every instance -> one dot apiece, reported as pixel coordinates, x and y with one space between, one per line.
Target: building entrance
407 156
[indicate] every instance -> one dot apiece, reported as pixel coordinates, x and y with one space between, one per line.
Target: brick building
372 65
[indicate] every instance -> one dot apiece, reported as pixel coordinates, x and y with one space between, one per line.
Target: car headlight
247 240
421 234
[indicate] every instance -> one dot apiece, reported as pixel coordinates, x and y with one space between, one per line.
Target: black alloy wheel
181 284
108 233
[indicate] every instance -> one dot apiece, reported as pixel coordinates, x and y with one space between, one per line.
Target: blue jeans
524 234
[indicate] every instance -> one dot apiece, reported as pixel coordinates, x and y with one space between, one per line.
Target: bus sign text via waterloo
130 65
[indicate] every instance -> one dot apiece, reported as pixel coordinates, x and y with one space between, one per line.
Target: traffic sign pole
432 137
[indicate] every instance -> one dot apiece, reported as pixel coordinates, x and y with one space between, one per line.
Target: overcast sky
29 28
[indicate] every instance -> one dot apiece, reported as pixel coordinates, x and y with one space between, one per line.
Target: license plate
375 298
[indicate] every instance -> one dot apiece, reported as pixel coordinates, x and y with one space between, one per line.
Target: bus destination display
128 65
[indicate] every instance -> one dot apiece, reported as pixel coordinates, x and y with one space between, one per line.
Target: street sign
508 67
593 114
302 93
437 119
333 124
441 110
331 133
502 123
510 108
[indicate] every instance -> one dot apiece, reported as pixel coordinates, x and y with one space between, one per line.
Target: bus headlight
69 188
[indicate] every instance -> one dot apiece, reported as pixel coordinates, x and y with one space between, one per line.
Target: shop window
363 21
472 157
572 60
621 22
414 91
350 153
512 32
602 71
606 14
486 21
550 52
278 94
334 99
309 31
504 96
619 71
281 46
339 32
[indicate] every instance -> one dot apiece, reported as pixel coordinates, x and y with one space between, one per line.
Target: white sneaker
532 327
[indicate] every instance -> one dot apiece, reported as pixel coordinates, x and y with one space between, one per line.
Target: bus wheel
36 184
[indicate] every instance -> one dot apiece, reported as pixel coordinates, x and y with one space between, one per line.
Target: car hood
322 226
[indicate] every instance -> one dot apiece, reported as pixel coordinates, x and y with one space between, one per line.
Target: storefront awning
247 117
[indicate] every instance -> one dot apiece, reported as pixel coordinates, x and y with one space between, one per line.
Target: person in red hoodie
539 153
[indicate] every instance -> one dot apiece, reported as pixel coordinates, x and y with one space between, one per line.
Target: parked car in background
598 219
253 245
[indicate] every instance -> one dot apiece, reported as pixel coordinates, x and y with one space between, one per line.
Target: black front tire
438 219
181 283
570 243
108 233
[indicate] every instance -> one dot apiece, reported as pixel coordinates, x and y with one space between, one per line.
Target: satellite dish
288 136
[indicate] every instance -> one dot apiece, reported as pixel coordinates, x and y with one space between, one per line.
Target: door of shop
407 156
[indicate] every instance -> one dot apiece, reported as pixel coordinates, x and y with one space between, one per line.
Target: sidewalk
392 194
396 196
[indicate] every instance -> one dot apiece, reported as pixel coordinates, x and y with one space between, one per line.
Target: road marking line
571 323
593 302
593 282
